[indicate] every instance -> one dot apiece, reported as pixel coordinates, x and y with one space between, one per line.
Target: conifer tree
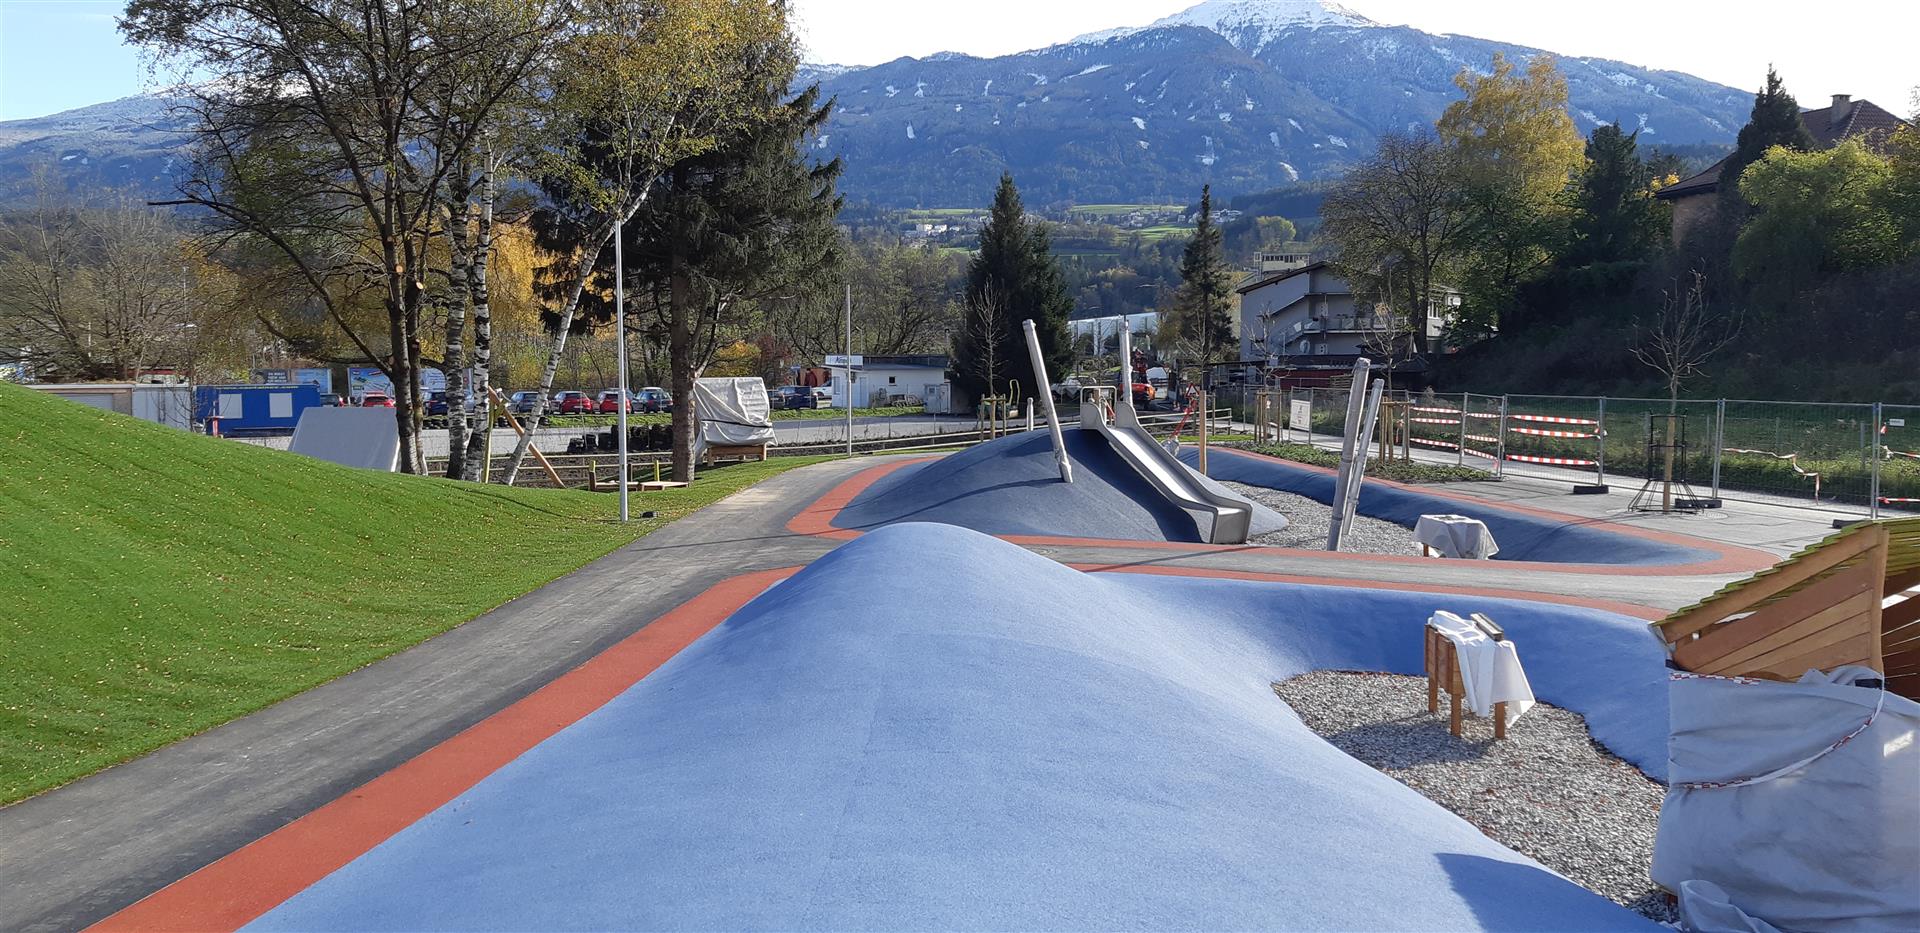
1775 121
1203 310
1013 278
1615 217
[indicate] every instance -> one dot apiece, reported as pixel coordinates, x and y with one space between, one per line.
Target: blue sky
60 54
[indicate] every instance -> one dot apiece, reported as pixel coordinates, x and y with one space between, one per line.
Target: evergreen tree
1012 279
1203 310
1615 216
1775 122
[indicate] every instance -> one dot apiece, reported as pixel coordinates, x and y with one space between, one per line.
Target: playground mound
1011 486
881 741
1522 535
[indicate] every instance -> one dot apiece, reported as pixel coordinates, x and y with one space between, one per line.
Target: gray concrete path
79 853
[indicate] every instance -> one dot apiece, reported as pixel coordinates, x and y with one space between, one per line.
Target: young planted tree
1676 341
1016 269
1203 307
638 88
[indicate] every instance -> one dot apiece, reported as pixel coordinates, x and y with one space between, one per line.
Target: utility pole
620 356
849 369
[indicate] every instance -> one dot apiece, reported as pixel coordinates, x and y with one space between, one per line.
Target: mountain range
1244 94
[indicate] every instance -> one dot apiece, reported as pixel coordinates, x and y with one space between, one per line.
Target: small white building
896 380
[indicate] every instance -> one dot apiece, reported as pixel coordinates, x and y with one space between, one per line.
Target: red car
573 403
610 403
376 400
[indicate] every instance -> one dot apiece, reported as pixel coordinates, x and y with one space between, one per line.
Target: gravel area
1546 791
1307 521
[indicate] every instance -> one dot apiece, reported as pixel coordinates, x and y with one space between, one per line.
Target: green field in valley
159 583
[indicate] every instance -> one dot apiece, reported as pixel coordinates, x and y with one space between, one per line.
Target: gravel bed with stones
1307 521
1546 791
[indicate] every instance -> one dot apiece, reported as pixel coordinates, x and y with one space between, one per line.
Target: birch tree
640 85
325 131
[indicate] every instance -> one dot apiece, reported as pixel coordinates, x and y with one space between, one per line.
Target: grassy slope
154 583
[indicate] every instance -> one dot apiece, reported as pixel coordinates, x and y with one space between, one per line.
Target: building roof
1281 276
1845 118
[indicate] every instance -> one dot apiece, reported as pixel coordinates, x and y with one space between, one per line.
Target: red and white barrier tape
1549 419
1482 438
1446 445
1890 500
1438 411
1476 414
1481 454
1446 421
1538 432
1551 461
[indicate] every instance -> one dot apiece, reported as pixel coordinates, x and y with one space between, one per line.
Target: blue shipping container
253 409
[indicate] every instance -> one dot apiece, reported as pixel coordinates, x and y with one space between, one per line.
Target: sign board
1300 414
1896 422
841 360
364 379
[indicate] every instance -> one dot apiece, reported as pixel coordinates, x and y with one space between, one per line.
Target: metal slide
1220 519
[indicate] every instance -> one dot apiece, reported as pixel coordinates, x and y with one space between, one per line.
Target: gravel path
1546 791
1307 521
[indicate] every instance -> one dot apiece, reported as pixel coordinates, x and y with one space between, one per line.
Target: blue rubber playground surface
882 741
1522 536
1011 486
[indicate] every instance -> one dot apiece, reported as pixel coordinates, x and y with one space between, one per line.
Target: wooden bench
733 452
1819 609
1443 673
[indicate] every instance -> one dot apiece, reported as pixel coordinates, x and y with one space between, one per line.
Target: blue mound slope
888 743
1011 486
1521 536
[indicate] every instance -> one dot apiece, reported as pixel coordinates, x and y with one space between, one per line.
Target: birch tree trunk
459 296
599 240
479 441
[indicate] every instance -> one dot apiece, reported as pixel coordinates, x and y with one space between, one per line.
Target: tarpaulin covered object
733 412
1797 803
1490 670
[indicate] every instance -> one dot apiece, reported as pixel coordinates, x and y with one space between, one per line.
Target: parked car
522 402
437 404
573 403
376 400
609 403
654 398
332 400
823 394
793 397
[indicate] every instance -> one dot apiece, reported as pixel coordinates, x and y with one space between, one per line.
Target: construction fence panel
1558 433
1899 485
1817 452
1436 422
1484 447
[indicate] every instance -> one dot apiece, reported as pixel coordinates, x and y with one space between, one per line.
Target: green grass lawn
158 583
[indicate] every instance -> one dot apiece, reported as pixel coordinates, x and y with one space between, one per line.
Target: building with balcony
1305 317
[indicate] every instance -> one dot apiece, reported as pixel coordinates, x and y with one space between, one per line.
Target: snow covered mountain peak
1248 24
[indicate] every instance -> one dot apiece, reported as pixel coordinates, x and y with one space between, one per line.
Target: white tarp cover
1792 806
1489 670
733 411
367 438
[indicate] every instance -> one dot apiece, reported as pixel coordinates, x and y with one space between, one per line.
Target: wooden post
514 423
593 476
1455 688
1433 671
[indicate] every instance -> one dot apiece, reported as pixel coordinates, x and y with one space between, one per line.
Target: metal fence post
1462 451
1719 442
1500 449
1600 437
1873 494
